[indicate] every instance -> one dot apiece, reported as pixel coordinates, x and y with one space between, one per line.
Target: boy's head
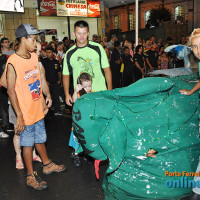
194 42
42 38
114 38
183 40
153 45
65 40
162 48
27 34
139 49
126 51
86 81
130 45
160 40
153 38
102 44
71 43
60 46
5 43
94 38
49 52
98 38
125 43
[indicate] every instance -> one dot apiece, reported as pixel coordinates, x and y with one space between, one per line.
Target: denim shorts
33 134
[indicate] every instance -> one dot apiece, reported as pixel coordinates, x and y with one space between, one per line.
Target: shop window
132 21
117 22
180 13
146 16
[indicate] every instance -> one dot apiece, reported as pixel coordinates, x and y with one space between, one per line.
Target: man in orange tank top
25 93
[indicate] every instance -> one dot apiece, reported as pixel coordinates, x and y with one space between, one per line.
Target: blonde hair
195 33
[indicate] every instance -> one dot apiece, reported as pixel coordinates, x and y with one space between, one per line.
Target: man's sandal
34 181
52 167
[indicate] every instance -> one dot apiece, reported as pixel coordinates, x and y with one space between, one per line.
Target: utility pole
69 31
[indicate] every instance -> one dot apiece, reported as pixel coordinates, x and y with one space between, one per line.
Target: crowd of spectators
128 62
136 61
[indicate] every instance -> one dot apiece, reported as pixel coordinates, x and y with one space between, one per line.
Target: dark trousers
4 105
55 92
128 78
137 74
116 79
116 75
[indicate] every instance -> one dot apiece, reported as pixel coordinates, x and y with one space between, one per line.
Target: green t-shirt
90 59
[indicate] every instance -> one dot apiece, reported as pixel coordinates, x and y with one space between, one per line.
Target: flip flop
37 159
19 164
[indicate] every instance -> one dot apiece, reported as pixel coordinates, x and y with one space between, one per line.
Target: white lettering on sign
50 3
95 6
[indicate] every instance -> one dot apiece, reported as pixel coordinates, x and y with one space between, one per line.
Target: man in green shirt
88 57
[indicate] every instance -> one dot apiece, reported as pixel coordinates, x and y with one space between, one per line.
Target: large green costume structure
123 124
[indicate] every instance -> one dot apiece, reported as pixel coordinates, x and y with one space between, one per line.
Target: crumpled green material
123 124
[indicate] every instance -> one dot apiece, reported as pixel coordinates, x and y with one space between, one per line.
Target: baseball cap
26 29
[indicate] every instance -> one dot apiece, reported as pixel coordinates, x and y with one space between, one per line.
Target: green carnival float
123 124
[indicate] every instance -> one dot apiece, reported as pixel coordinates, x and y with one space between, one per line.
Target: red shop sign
47 8
94 8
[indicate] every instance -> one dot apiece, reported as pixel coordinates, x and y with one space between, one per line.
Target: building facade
9 21
123 17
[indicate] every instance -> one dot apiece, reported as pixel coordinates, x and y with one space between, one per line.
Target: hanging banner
72 8
47 7
94 8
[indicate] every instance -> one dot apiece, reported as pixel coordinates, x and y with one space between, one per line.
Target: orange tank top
28 87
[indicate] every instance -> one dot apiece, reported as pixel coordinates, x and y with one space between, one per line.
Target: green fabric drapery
123 124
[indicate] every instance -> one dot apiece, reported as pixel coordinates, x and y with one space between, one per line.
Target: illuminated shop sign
72 8
94 8
47 8
80 8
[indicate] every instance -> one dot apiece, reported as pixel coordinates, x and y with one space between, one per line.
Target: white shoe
3 135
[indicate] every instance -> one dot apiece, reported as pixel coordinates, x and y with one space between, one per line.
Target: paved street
77 183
